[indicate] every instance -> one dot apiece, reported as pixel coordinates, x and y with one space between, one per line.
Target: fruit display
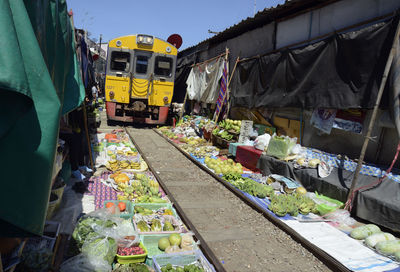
132 267
223 166
176 243
147 211
184 268
156 223
249 186
140 186
115 165
114 207
201 151
229 124
292 204
132 250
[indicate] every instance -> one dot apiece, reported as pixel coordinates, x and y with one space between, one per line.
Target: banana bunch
292 204
143 211
130 153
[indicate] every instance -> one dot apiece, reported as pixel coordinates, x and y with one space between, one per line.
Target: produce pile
157 223
186 268
292 204
223 166
104 240
137 187
382 242
248 185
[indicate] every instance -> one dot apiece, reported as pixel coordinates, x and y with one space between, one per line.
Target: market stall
280 192
134 225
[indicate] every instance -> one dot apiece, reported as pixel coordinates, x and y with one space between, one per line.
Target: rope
349 202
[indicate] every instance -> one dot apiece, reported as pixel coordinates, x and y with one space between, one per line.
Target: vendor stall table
248 156
379 205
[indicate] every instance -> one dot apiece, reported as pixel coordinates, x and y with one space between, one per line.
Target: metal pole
373 117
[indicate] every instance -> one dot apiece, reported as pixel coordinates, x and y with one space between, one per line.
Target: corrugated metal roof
266 16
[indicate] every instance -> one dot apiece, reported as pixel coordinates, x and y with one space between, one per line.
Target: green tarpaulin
39 81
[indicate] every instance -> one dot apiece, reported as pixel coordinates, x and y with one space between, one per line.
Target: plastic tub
129 208
151 244
156 206
181 259
141 258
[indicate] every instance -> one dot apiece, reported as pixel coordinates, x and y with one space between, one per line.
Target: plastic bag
101 222
100 249
81 263
341 216
280 146
325 204
261 142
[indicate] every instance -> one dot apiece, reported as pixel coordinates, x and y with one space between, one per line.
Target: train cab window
141 64
120 61
163 66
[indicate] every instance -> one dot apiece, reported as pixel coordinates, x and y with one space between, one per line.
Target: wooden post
373 117
183 106
87 135
227 87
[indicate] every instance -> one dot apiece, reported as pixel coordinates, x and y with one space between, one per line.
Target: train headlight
111 94
144 39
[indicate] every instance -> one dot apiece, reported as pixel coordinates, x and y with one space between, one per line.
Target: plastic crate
151 243
156 206
181 259
141 258
181 229
44 241
129 207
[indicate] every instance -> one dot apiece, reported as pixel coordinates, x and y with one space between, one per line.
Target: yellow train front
139 79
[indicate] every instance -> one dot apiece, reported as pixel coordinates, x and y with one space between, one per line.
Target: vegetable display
132 250
249 186
186 268
292 204
100 248
223 166
133 267
373 239
363 232
86 227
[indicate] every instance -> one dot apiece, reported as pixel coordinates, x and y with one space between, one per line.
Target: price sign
245 130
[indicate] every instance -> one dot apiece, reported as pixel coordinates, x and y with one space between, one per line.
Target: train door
164 73
118 76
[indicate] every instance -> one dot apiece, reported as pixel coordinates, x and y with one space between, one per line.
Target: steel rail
324 257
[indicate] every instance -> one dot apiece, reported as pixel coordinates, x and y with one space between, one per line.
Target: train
140 74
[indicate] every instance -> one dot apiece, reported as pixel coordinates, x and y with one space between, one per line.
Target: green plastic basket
141 258
129 207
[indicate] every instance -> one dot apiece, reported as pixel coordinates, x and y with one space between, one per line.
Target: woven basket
52 205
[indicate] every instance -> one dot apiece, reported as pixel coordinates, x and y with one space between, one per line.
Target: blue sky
161 18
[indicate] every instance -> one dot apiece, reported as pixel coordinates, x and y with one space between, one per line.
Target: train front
139 79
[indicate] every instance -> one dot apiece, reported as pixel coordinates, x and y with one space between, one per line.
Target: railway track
267 247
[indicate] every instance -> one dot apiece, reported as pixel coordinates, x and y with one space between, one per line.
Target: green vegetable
85 227
388 247
156 225
101 247
142 226
248 185
292 204
363 232
137 267
279 147
373 239
397 255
